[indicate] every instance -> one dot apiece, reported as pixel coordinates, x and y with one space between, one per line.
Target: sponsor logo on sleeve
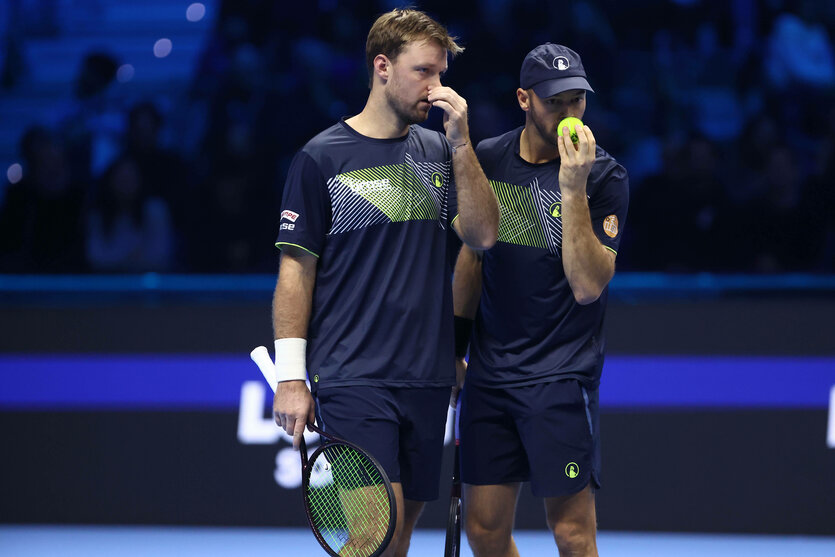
289 215
610 226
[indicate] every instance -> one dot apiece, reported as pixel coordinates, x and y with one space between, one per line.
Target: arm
588 264
293 404
466 294
466 283
478 211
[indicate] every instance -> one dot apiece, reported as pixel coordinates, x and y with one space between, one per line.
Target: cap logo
560 63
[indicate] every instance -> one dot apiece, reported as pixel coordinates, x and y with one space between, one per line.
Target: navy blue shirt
529 328
376 213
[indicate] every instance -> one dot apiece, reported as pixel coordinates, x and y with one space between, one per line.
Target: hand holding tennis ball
570 123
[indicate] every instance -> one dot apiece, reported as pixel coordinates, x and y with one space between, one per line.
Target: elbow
489 236
585 294
586 297
588 287
482 239
483 243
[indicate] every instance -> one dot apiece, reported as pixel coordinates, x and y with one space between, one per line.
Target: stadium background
128 397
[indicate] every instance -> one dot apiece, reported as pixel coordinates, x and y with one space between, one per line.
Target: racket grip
262 359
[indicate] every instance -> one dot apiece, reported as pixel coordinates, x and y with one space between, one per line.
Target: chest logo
555 210
610 226
437 179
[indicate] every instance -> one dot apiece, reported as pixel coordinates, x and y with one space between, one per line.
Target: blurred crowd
722 112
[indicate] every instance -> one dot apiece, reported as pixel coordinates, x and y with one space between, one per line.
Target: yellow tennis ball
570 123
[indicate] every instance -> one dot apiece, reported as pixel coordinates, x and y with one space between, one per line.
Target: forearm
293 405
478 210
588 264
293 296
466 283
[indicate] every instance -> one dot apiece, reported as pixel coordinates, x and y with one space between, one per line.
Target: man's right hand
293 408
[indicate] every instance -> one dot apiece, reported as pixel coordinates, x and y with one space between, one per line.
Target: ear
382 66
524 99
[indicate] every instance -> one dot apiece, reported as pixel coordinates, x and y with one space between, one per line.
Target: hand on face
455 113
576 160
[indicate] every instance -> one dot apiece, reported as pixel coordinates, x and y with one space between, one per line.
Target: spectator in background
41 219
221 236
682 213
127 229
163 171
94 122
778 231
753 148
800 50
822 194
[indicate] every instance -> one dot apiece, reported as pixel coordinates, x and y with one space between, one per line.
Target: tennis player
529 408
363 302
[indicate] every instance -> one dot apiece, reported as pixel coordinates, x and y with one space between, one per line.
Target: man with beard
529 408
363 301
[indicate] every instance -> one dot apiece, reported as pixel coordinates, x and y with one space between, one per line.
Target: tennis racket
452 548
348 497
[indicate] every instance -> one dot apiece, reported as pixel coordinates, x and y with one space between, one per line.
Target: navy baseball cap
550 69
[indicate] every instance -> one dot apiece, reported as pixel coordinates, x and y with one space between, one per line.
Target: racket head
348 500
452 545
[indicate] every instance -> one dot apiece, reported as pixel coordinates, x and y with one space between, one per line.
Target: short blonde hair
394 30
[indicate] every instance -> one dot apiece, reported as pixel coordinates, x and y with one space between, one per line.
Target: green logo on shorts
572 470
316 378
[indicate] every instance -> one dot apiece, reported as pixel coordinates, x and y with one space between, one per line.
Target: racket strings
348 501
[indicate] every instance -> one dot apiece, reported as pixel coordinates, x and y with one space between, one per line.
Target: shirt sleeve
608 207
305 208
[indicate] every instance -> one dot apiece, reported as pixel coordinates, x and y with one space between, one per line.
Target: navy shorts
545 433
403 428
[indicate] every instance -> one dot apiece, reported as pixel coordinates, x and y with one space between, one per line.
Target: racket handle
261 357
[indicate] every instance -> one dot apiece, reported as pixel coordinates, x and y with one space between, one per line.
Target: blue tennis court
96 541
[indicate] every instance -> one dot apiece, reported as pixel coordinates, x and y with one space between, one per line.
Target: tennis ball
570 123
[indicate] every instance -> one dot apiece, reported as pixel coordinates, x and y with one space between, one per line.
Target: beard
406 112
549 135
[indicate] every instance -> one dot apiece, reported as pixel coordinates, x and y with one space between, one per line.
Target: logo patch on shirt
437 179
610 226
365 187
289 215
555 210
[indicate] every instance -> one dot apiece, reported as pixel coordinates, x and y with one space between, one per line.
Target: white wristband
290 359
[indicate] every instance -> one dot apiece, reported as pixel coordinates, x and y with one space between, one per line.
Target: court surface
112 541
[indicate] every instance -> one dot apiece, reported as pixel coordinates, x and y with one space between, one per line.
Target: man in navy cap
534 304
